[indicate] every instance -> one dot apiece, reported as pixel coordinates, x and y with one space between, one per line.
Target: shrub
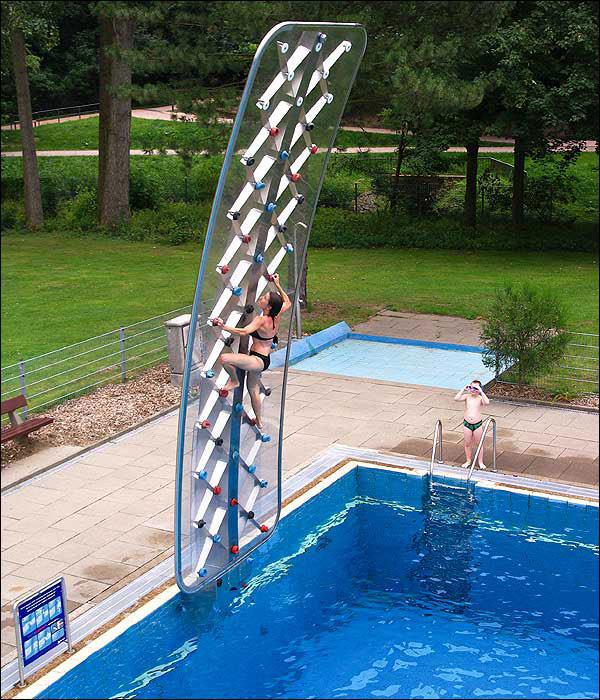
338 191
451 200
13 216
79 213
525 329
548 192
173 223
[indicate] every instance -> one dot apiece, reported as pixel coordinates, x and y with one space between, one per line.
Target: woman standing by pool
475 398
263 330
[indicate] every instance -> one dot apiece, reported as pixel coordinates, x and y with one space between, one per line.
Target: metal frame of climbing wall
228 479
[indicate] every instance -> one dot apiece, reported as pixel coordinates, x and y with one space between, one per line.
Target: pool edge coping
311 479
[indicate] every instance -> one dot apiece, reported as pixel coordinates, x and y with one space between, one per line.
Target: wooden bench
18 427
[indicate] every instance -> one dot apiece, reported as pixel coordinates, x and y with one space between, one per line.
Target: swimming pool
400 360
380 586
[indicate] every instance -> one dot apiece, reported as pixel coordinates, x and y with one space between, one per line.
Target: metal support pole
123 356
356 197
24 411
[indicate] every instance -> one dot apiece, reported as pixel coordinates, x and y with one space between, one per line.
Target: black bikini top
255 334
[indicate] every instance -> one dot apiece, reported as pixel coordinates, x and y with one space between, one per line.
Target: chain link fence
77 369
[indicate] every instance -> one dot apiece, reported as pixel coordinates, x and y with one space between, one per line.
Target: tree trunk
518 193
31 178
471 184
116 36
399 161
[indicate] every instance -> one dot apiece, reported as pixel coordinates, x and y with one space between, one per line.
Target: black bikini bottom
266 360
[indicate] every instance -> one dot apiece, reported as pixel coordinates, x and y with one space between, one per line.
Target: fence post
123 356
356 197
24 412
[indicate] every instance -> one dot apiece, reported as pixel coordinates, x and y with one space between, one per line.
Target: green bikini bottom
472 426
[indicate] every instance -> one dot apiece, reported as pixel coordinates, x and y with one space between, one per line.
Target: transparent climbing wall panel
228 485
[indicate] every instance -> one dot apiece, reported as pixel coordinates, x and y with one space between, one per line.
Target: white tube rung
205 456
220 423
344 47
253 216
263 167
207 545
231 250
300 53
254 450
243 197
316 108
287 210
224 299
298 131
300 160
239 272
208 406
214 480
219 345
276 116
283 183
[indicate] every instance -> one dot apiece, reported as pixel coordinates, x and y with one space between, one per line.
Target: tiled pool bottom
381 587
404 361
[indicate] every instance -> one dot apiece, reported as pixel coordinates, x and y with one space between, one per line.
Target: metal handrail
478 450
438 431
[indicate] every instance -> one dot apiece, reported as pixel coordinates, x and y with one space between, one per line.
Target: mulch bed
516 392
106 411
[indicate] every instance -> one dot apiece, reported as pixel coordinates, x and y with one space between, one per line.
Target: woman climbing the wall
263 331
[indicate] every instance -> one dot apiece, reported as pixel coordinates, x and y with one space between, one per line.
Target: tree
525 330
545 80
21 21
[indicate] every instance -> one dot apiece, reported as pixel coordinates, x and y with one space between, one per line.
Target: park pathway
106 517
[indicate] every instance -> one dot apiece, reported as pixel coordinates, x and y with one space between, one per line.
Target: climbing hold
216 538
233 502
218 442
284 155
252 468
283 47
300 198
295 177
209 374
258 258
259 185
263 484
234 549
200 523
299 101
289 248
309 126
273 131
215 321
235 215
289 75
235 454
273 346
203 474
328 98
202 573
271 206
228 342
263 104
249 309
264 528
248 161
223 269
267 392
236 291
265 438
223 393
205 424
314 149
322 37
250 514
238 408
269 277
246 239
217 490
219 582
325 74
318 46
282 229
348 46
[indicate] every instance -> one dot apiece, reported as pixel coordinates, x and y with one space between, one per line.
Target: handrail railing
437 446
489 421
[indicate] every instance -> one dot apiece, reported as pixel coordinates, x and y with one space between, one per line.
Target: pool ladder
438 446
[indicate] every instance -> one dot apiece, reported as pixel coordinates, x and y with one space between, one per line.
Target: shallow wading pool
381 585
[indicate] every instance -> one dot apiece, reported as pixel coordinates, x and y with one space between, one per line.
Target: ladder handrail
438 430
489 421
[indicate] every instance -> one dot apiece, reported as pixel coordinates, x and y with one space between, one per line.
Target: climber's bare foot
467 464
231 385
258 423
482 465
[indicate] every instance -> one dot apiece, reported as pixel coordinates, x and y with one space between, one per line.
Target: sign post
41 624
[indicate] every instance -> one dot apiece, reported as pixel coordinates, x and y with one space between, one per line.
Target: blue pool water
408 362
380 587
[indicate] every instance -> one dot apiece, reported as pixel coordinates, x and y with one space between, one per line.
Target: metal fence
79 368
576 373
59 113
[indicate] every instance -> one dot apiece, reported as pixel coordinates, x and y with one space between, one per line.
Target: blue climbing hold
209 374
271 206
202 573
238 407
273 346
259 257
236 291
289 248
284 155
202 475
263 484
252 468
217 538
259 185
235 454
265 438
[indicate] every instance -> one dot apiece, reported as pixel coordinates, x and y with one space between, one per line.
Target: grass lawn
59 289
82 134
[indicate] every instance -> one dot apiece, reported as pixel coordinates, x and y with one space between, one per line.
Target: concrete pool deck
106 517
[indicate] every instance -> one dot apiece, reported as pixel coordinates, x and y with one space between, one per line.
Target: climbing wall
228 487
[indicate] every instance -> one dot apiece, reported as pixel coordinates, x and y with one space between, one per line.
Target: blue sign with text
42 622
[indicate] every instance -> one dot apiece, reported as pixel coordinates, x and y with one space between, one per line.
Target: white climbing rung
271 268
293 62
213 529
231 250
300 160
222 302
218 347
243 197
254 450
261 170
316 108
283 183
287 210
298 131
271 236
212 399
214 479
220 423
239 272
276 116
252 498
205 456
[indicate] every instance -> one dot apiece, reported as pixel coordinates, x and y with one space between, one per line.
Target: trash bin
177 330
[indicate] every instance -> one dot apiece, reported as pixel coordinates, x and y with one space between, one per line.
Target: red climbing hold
223 393
295 177
264 528
217 490
273 131
223 269
205 424
233 502
314 149
234 549
246 239
270 277
243 584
